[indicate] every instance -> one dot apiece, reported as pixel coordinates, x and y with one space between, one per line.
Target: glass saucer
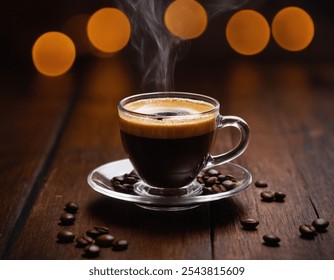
100 180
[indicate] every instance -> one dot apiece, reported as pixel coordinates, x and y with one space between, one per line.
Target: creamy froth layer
168 118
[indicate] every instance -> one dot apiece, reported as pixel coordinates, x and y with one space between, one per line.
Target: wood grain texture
33 111
291 149
285 151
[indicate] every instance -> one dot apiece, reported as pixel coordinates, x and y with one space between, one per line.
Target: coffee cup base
192 189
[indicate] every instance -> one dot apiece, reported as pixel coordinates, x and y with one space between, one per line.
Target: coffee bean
92 251
217 188
267 196
71 207
320 224
200 179
102 229
210 181
117 179
206 191
65 236
229 184
249 224
221 178
307 231
212 172
105 240
230 177
130 180
93 233
97 231
84 241
67 219
260 184
134 174
271 240
279 196
120 245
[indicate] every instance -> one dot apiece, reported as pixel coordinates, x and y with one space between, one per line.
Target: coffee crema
168 118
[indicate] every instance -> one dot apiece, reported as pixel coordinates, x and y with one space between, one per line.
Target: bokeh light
186 19
53 53
293 29
109 30
248 32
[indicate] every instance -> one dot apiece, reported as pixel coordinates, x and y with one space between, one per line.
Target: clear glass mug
168 138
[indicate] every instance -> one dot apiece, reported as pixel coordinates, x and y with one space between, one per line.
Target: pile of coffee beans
309 231
125 183
93 240
211 180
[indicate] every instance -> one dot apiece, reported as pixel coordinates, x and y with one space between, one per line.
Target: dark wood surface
55 131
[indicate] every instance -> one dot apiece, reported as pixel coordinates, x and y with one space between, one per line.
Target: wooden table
55 131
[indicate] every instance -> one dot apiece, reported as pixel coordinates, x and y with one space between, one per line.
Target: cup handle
242 126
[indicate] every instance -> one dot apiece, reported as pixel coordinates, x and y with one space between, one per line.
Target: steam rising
158 50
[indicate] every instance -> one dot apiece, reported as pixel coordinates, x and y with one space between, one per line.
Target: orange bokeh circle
293 29
247 32
53 53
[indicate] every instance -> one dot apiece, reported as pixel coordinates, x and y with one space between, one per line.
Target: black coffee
167 163
168 152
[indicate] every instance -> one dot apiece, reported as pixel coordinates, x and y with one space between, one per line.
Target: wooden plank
32 111
92 139
283 151
288 147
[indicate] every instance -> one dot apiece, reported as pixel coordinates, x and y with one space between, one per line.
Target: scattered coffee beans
67 219
105 240
320 224
307 231
249 224
267 196
120 245
260 184
65 236
96 237
71 207
271 240
92 251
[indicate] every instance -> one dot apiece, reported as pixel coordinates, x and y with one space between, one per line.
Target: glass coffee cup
168 137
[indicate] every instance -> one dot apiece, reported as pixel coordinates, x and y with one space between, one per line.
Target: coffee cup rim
168 94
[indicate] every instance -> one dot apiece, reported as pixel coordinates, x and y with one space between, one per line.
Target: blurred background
23 22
